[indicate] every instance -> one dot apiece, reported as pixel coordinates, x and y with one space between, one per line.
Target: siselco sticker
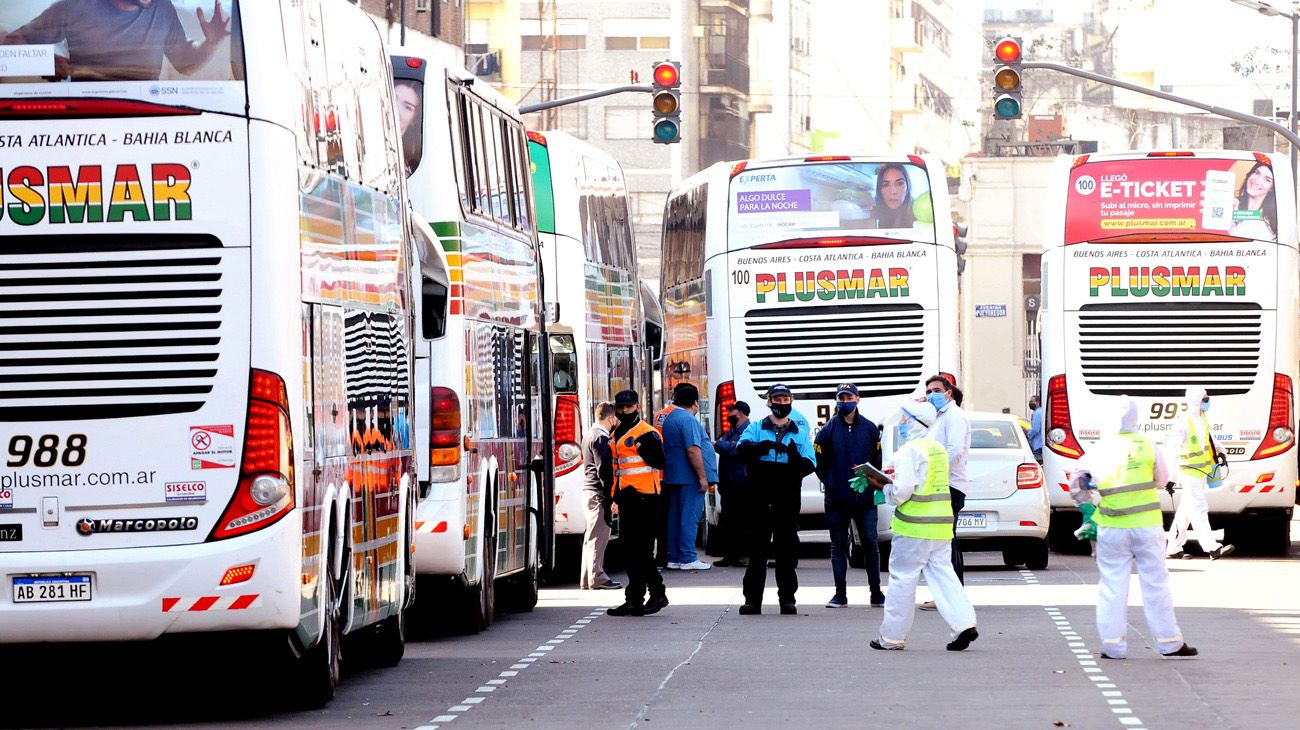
87 526
186 491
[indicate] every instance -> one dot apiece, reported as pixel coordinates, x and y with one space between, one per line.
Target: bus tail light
87 109
916 160
568 421
837 242
828 158
952 379
537 137
1281 416
726 398
1029 476
1060 433
445 438
738 168
265 491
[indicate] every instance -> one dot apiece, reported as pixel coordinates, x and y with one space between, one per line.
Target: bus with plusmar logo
1164 271
599 341
483 525
810 272
205 371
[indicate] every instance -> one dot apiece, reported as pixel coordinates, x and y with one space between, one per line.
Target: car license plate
973 519
51 588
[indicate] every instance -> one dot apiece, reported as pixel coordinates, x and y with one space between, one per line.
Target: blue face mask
1205 406
938 400
845 409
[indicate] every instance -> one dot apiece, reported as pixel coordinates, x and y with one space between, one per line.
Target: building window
636 34
929 31
570 34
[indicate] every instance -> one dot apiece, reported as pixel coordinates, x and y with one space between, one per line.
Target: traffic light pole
543 106
1229 113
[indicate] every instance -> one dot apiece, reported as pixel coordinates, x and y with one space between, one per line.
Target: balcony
729 72
903 36
483 62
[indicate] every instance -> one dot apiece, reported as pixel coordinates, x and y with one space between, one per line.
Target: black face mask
626 418
782 410
733 420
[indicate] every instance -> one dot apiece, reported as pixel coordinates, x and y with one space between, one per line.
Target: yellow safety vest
927 514
1126 483
1197 456
630 470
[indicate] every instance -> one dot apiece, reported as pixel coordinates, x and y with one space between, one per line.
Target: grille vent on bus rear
97 327
1160 350
814 349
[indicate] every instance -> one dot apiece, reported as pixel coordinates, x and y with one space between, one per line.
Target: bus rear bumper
570 504
440 536
139 594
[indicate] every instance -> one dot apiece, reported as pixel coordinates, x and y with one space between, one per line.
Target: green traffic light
1007 107
666 131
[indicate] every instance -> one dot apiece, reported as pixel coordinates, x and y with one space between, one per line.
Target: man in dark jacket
846 441
733 479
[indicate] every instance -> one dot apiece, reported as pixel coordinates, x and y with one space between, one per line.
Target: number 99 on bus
1167 410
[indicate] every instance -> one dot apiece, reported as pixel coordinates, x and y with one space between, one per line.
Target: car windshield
179 52
993 435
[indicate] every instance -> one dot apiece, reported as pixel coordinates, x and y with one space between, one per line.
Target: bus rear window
178 52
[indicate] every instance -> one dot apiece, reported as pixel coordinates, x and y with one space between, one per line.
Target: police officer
780 454
638 455
1121 474
733 483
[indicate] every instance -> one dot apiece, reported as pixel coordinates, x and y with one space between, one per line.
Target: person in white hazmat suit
1121 475
1190 445
923 532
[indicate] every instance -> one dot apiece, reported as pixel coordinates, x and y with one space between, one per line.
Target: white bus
205 376
809 272
484 512
1163 271
593 292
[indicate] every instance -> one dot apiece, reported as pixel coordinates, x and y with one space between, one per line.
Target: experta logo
87 527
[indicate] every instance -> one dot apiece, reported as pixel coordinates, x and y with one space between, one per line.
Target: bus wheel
481 599
1274 535
388 641
318 668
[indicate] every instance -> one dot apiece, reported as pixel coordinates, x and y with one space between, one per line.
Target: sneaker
963 640
878 598
837 602
609 585
1180 555
1182 651
656 604
697 565
750 609
789 608
928 606
627 609
1223 552
1104 655
876 644
673 566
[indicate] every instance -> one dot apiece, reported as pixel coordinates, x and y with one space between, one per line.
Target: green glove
858 484
1088 531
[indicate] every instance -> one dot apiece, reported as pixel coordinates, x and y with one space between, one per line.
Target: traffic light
959 245
1006 79
667 102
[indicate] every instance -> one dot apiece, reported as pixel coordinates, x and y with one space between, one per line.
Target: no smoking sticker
212 447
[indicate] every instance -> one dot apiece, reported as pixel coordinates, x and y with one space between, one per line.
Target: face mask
938 400
781 410
733 420
845 409
1205 406
626 418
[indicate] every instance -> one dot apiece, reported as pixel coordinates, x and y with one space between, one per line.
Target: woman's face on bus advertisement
893 187
408 105
1259 183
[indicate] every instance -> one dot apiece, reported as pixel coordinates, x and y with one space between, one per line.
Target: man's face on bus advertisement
1259 183
893 187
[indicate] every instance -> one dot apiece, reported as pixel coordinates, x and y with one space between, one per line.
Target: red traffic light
1007 50
666 74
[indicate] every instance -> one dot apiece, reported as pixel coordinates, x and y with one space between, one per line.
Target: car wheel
1012 558
1036 555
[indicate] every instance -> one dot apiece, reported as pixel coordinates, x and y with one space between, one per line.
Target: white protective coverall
1193 509
1118 548
911 557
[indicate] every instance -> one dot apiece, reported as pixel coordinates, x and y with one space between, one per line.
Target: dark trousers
775 533
638 521
735 520
660 539
958 501
838 518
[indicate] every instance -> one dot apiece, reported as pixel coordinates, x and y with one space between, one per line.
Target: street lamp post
1264 8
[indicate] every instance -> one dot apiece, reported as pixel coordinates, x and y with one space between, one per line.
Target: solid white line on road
1088 664
492 684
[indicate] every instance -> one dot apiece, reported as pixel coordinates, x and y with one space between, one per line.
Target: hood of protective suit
1194 396
1128 416
917 418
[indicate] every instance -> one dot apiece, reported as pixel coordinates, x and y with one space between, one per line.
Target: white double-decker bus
483 519
1164 271
598 342
205 376
810 272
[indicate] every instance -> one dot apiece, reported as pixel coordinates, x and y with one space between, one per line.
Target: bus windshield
809 201
176 52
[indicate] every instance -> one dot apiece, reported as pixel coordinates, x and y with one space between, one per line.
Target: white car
1006 506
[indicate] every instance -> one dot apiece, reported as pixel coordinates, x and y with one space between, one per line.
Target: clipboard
867 471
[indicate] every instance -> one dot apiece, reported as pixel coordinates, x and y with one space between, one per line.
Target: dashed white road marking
493 685
1114 697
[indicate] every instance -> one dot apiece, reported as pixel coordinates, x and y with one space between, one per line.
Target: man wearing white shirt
952 430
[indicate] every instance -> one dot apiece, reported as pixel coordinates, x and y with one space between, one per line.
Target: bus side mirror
433 309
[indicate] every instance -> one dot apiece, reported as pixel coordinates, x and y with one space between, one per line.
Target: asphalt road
699 664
